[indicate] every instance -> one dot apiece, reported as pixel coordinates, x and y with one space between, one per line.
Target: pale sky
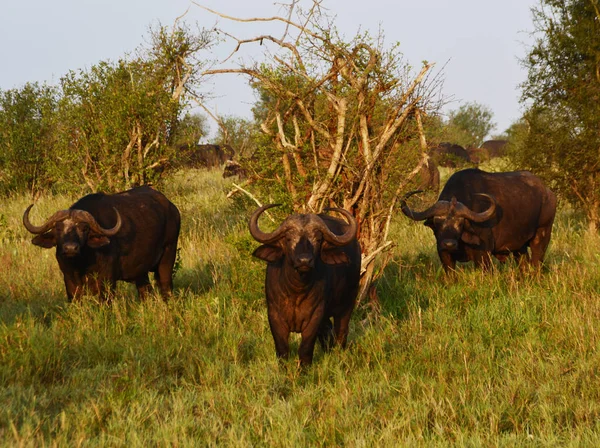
480 40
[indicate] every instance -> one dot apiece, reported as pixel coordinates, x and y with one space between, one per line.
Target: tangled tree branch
342 118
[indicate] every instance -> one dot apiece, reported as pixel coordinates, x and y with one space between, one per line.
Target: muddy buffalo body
104 238
480 214
312 276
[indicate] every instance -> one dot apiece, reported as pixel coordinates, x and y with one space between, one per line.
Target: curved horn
347 236
259 235
113 231
466 212
82 215
437 209
58 216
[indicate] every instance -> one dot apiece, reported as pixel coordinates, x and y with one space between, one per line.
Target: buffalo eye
458 223
438 220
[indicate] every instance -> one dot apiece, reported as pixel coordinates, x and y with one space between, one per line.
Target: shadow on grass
199 280
42 311
400 287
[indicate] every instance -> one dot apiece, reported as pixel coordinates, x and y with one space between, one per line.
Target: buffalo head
451 220
70 230
302 240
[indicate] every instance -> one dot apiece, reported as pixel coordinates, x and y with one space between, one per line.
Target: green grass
492 359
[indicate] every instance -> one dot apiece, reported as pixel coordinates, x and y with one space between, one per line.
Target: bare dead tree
344 120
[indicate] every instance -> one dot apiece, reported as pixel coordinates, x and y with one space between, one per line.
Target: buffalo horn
82 215
349 234
259 235
437 209
58 216
466 212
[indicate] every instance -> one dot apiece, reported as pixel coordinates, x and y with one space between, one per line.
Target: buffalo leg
100 286
164 271
307 347
143 285
93 285
522 257
539 244
281 335
74 287
105 288
448 261
326 335
482 259
341 328
309 336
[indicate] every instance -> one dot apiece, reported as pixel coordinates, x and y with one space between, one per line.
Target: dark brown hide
449 155
522 217
428 177
203 156
495 148
312 276
146 241
209 156
478 155
233 168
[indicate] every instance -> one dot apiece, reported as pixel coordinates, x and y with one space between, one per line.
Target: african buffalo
495 148
428 177
478 155
312 275
207 156
449 155
104 238
480 214
233 168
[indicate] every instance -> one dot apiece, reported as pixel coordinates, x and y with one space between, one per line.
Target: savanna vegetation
500 358
558 136
488 358
109 127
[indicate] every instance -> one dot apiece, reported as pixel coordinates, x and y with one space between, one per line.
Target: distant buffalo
104 238
233 168
489 149
428 177
205 156
495 148
312 275
481 214
478 155
449 155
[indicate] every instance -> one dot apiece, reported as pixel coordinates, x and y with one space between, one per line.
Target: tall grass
498 359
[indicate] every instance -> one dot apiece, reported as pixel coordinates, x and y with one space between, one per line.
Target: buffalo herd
204 155
313 260
451 155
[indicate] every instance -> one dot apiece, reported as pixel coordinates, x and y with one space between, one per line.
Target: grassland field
486 359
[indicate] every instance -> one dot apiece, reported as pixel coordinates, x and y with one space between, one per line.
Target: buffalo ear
334 255
470 238
45 240
268 253
96 240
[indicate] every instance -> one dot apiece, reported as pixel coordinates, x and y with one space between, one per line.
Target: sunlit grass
500 358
